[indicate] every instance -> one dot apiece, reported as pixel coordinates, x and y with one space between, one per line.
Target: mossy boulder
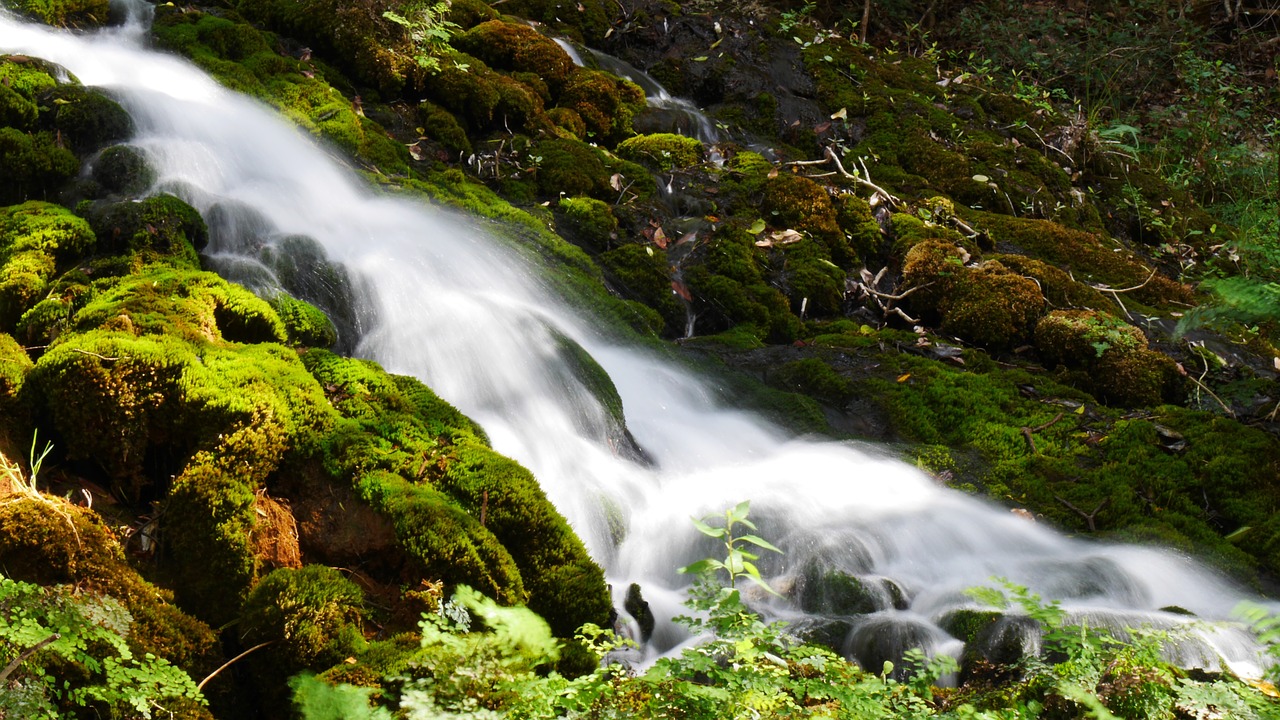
588 21
314 615
124 170
588 221
986 303
85 117
460 511
813 377
14 366
662 152
65 13
161 226
441 126
799 203
1111 358
36 165
605 103
36 238
513 47
51 542
304 323
643 273
567 167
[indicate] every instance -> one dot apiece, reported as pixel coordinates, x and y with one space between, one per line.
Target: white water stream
450 305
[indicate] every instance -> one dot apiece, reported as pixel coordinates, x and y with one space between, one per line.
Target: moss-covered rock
123 169
313 615
662 151
604 102
35 239
1111 356
643 273
36 165
85 117
65 13
460 511
49 541
516 47
158 227
589 221
14 366
815 378
796 202
304 323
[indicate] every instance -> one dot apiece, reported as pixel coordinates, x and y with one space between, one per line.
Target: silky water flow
438 297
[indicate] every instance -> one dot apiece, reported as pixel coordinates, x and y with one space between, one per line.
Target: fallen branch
1027 432
1088 517
13 664
228 663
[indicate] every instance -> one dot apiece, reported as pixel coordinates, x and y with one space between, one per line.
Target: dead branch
13 664
1027 432
1089 517
228 663
94 354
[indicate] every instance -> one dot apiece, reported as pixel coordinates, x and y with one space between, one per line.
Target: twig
13 664
1027 432
1088 517
228 663
94 354
1230 413
899 296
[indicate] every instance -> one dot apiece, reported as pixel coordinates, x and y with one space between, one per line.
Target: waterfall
444 301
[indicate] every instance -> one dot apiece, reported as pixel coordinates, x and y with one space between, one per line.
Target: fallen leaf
687 238
904 378
758 226
700 58
840 114
679 288
773 173
764 243
415 152
981 178
822 127
786 237
660 238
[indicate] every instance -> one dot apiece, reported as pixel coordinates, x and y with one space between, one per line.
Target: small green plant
65 652
428 28
738 560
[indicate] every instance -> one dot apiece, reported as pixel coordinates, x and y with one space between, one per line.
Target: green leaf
702 566
757 227
739 512
707 530
759 542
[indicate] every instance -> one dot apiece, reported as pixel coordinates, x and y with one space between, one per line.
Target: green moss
123 169
589 221
158 227
192 306
662 152
992 307
1088 255
28 77
312 614
587 21
799 203
85 117
574 168
517 48
14 366
641 273
36 165
1112 356
1060 290
65 13
604 102
35 238
73 546
304 323
422 465
813 377
569 121
861 231
15 110
440 125
986 304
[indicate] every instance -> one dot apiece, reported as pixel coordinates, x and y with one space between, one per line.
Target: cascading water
443 301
